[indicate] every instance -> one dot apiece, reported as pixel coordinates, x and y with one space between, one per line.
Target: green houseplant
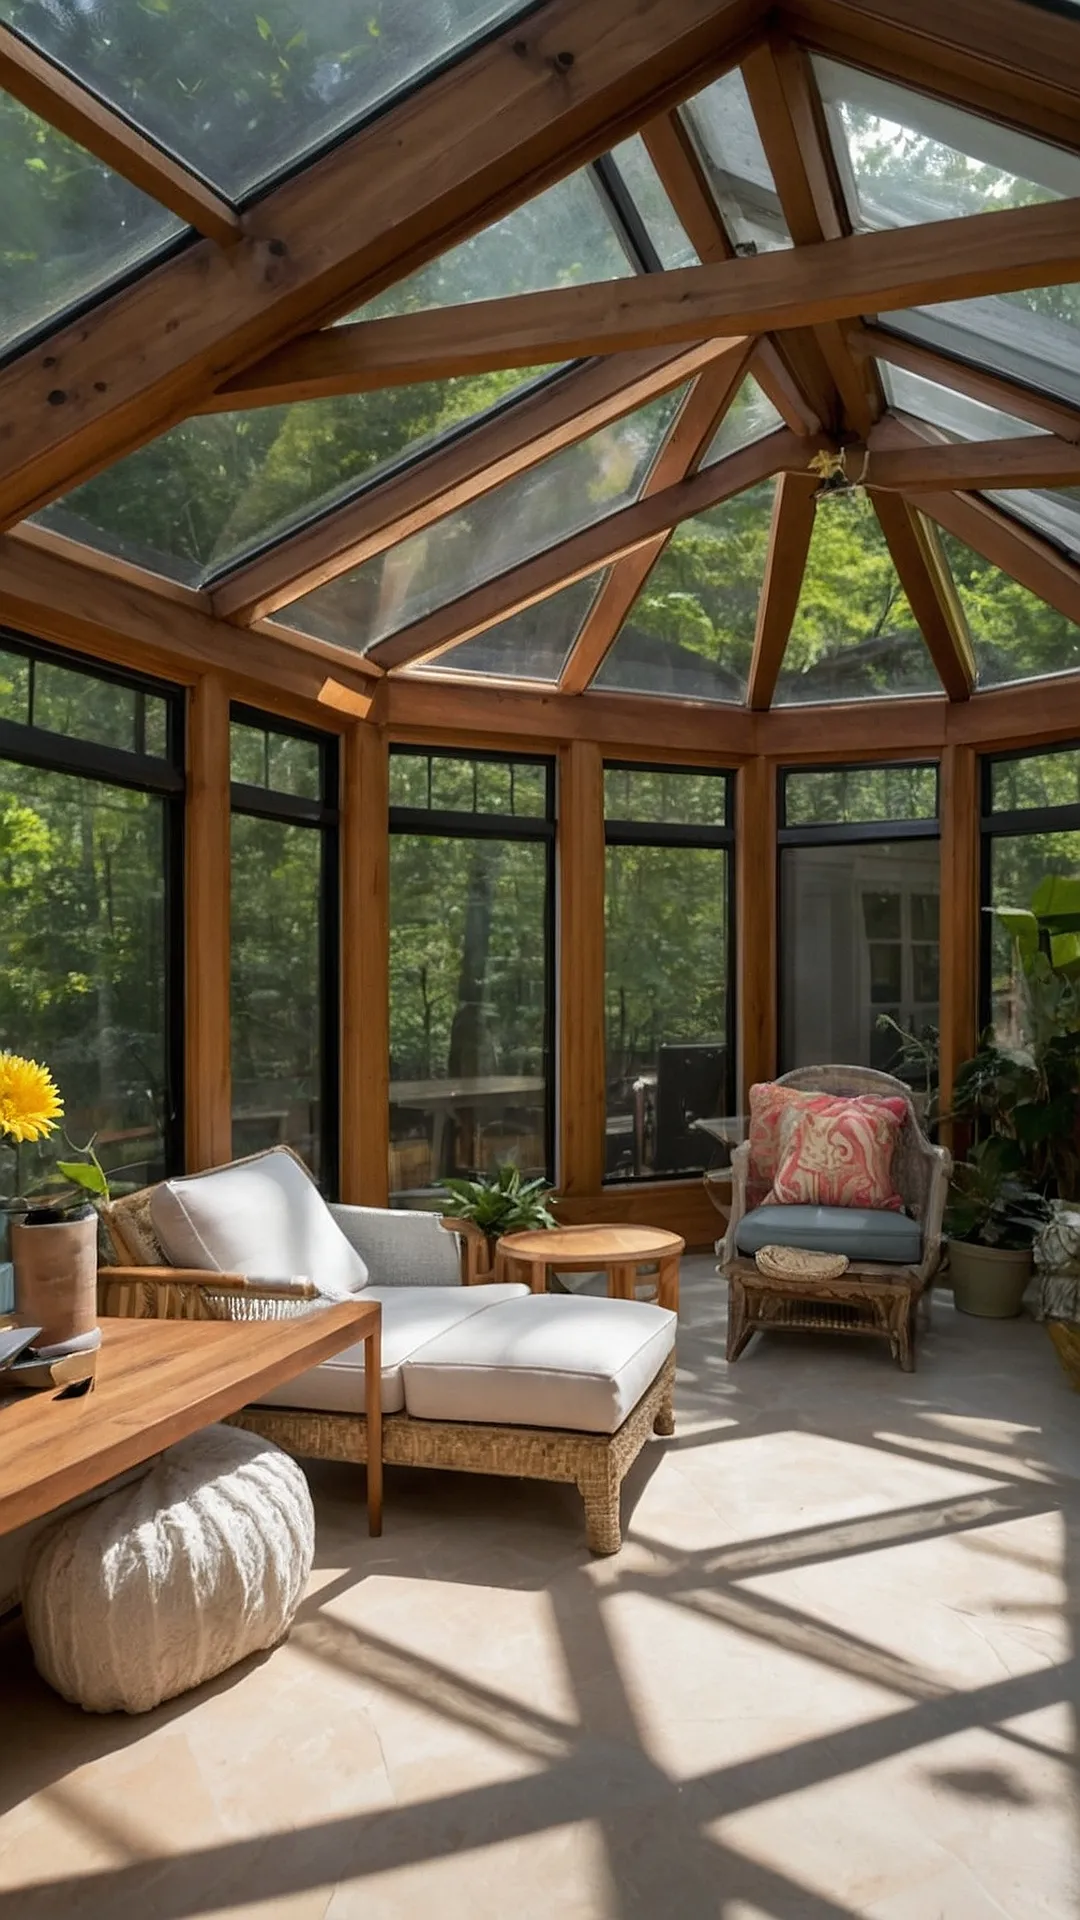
992 1218
500 1203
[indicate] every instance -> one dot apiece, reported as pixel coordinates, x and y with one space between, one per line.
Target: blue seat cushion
863 1233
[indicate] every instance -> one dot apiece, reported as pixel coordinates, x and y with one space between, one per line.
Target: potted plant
500 1203
993 1216
54 1227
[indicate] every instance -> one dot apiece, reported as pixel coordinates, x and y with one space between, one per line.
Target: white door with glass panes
899 932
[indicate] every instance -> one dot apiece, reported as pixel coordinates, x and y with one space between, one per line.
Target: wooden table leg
622 1281
373 1415
538 1276
667 1282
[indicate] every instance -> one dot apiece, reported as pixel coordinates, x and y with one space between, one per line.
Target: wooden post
581 971
208 1070
960 907
365 969
755 922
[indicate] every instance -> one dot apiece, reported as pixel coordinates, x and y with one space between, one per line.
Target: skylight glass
750 417
242 93
1052 511
725 133
690 633
903 159
662 223
69 228
854 636
951 412
217 488
536 509
531 645
1015 636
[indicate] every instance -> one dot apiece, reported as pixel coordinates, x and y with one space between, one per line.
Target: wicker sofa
477 1376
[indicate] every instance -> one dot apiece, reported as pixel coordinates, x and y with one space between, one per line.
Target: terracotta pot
56 1278
989 1281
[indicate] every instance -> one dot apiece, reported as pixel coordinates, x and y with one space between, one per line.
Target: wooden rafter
493 451
685 447
526 108
1040 460
597 546
683 178
76 112
785 564
924 575
993 389
1019 247
997 57
790 122
1008 545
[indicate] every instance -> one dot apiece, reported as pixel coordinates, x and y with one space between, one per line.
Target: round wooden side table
616 1251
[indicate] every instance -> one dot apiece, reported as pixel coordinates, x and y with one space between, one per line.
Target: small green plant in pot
500 1203
992 1218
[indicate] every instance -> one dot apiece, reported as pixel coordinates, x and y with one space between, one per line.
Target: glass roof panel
854 636
690 633
649 195
1015 635
750 417
903 159
1051 511
242 93
569 490
530 645
69 228
221 486
726 136
951 412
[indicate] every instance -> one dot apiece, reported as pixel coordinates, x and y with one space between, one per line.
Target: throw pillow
770 1106
840 1158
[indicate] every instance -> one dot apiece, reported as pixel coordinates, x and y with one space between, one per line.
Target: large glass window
668 999
91 823
860 884
471 928
284 941
854 636
1030 830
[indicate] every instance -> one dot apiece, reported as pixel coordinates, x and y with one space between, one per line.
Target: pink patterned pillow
770 1107
840 1158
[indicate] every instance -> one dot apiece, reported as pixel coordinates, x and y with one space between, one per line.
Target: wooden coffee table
159 1380
616 1251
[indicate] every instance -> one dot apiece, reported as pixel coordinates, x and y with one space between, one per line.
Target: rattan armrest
219 1282
474 1246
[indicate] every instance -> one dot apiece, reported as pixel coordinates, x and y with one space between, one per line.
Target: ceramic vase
56 1279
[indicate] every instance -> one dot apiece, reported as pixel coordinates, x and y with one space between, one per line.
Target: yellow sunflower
30 1104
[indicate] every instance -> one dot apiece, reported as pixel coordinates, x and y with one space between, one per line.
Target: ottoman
163 1585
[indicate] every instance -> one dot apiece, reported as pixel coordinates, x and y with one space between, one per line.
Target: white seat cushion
565 1361
264 1218
410 1318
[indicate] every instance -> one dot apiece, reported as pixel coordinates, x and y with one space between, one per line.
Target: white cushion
259 1217
410 1318
565 1361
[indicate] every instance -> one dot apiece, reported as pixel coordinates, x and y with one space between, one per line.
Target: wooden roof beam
924 574
529 106
975 466
597 546
537 426
686 447
791 124
59 99
785 563
797 287
993 389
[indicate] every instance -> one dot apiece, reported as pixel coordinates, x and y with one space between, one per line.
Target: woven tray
798 1263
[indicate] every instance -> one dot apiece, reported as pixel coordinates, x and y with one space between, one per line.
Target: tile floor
831 1674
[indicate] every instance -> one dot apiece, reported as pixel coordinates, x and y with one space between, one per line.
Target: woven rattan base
877 1300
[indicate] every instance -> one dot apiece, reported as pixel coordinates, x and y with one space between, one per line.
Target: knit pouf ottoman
165 1584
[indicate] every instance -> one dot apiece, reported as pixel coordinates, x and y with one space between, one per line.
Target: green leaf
83 1173
266 31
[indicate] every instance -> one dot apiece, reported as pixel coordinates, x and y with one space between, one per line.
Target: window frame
50 752
446 823
1011 823
322 816
659 833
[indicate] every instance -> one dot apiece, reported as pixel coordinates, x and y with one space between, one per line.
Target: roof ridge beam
537 425
609 539
61 100
794 511
1001 252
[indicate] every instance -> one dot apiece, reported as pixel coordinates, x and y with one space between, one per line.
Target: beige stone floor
831 1674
